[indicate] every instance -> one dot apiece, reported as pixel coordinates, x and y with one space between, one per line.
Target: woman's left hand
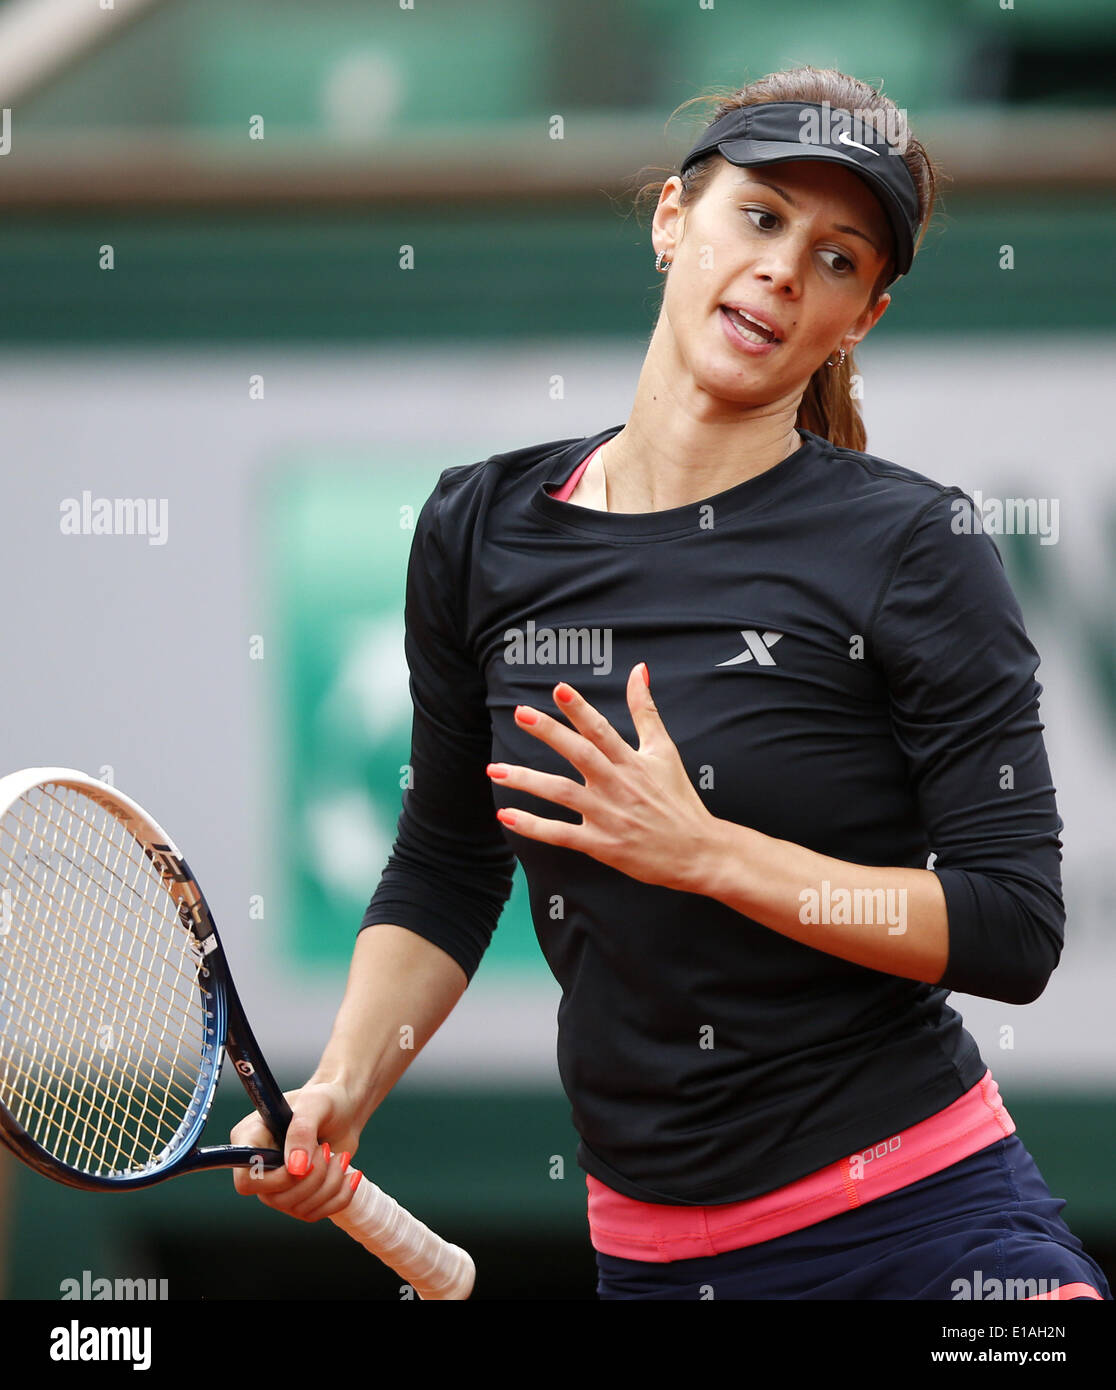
640 812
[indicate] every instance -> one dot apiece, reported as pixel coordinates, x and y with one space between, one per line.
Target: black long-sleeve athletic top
837 654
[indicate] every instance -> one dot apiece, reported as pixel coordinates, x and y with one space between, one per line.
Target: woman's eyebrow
837 226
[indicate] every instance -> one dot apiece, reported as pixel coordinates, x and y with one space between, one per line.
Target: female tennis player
828 680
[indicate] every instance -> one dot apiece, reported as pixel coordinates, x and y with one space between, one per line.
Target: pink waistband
634 1230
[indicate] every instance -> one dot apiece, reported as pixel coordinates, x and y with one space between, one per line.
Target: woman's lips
738 335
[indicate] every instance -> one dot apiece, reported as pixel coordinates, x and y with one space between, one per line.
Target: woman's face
800 245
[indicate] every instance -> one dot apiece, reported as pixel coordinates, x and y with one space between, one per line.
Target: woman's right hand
317 1180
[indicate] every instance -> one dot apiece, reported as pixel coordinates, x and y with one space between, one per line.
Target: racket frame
226 1028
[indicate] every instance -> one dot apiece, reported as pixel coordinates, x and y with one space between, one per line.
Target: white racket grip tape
434 1268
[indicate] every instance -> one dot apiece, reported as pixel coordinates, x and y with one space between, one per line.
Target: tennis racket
116 1010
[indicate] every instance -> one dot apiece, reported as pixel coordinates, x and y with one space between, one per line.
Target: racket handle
434 1268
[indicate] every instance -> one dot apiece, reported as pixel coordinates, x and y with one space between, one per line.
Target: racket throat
230 1156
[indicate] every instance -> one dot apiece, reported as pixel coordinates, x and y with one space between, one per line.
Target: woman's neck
680 447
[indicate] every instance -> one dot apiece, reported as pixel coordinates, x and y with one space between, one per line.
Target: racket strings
128 1001
41 976
102 1021
93 963
96 976
83 1001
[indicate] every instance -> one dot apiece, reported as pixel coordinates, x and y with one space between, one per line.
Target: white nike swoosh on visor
846 139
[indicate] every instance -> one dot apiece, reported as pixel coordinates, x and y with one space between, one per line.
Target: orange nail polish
326 1153
525 715
496 770
505 817
564 693
345 1160
354 1182
646 673
298 1165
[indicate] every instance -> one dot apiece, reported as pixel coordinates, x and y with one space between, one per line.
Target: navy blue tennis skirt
985 1228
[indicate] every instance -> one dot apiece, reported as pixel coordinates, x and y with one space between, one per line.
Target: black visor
779 131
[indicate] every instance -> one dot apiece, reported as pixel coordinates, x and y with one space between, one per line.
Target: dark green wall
544 271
